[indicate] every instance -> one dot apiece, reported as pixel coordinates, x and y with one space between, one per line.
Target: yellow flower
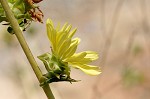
63 55
64 48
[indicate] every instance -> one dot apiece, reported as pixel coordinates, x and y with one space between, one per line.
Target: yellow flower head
63 52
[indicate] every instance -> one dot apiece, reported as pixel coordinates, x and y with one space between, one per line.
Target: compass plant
63 56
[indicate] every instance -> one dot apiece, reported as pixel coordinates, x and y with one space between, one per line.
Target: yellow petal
64 27
82 61
88 69
82 57
49 21
76 40
68 28
64 47
76 57
61 37
51 32
71 50
72 33
92 55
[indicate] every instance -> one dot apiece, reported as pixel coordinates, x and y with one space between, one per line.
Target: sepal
53 77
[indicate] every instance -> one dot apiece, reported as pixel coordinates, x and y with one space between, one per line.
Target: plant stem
22 41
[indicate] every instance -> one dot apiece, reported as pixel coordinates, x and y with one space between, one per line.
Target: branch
22 41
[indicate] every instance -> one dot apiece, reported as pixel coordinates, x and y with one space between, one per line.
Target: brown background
117 29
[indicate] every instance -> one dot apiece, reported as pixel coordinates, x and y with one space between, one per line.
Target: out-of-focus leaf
137 49
132 77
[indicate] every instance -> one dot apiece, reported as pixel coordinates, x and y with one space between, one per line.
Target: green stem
22 41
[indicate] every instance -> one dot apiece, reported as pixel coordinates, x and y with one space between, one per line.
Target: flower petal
83 57
64 27
72 33
51 32
88 69
68 28
65 45
92 55
71 50
76 57
61 37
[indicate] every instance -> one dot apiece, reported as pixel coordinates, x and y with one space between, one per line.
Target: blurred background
118 30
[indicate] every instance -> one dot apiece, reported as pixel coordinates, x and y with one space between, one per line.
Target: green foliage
22 10
57 70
